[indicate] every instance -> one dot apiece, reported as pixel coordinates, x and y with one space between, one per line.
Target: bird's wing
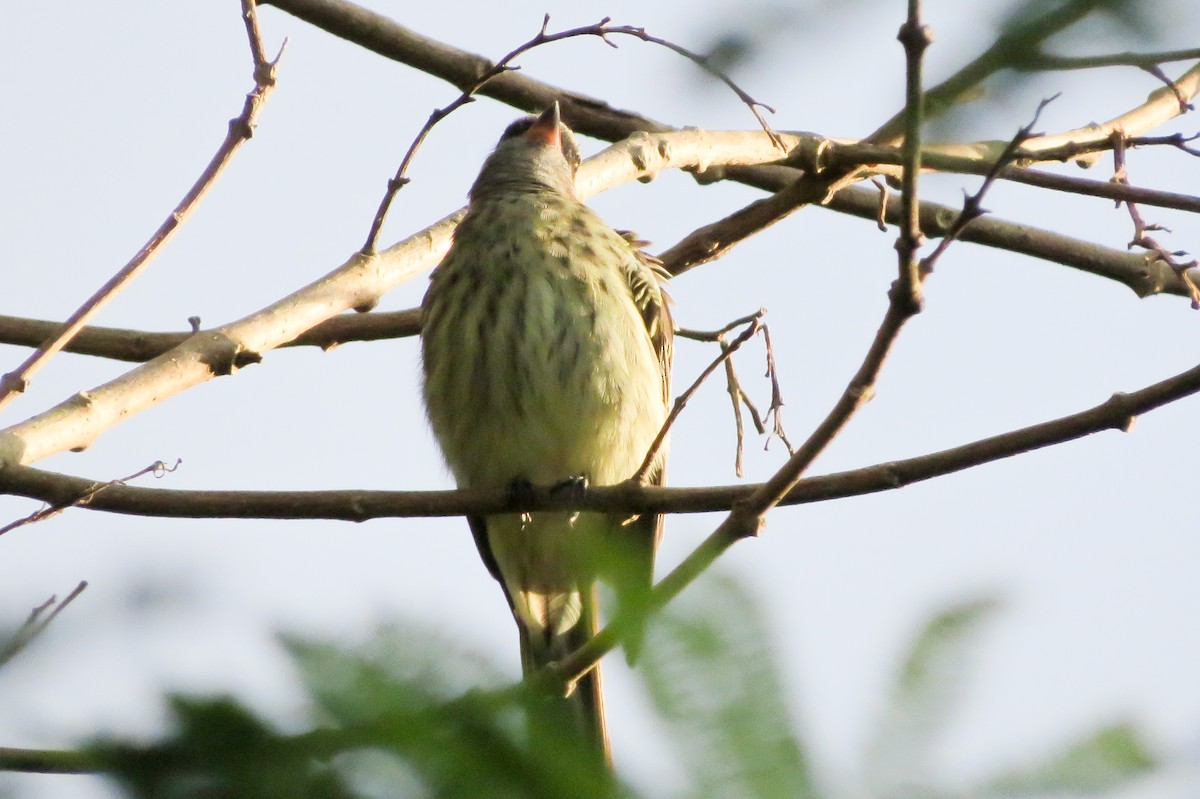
645 276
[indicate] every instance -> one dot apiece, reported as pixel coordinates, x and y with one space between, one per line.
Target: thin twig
1156 71
881 219
775 411
601 29
733 386
158 469
682 400
705 63
973 204
716 335
734 389
35 625
240 130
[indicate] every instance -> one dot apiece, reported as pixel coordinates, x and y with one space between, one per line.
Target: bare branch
241 128
158 469
682 400
973 204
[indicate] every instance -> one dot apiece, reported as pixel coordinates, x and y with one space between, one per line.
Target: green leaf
920 705
219 750
1106 759
715 682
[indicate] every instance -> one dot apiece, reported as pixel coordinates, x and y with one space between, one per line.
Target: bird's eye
517 128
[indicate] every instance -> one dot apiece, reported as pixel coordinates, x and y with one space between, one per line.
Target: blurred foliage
410 714
770 33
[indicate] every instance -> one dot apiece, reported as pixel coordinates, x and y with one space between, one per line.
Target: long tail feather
584 708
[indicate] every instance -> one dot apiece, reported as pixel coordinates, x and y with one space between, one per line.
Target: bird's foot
573 488
520 495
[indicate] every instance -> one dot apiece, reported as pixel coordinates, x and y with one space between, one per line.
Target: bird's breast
538 365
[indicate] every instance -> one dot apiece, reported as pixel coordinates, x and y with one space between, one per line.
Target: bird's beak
545 127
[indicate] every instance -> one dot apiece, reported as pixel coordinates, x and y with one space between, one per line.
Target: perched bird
546 345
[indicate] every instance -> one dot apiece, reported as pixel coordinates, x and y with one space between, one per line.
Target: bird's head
535 152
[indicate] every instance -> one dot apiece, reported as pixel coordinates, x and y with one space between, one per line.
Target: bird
546 356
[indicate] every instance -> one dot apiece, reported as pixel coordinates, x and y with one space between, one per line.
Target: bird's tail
584 707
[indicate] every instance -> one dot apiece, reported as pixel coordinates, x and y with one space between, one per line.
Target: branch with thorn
1156 251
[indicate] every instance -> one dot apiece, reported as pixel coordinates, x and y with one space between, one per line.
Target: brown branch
915 38
35 625
1145 278
241 128
158 469
714 240
973 204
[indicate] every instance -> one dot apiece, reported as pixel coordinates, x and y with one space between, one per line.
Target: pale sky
1091 545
